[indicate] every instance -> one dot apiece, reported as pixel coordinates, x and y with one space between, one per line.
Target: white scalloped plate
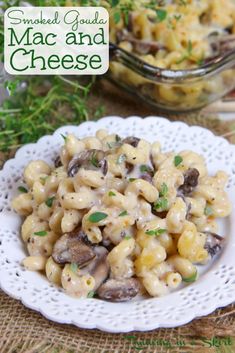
215 287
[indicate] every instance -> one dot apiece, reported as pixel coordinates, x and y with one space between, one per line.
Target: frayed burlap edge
25 331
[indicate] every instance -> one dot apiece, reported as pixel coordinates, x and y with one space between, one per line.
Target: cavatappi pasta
116 217
175 35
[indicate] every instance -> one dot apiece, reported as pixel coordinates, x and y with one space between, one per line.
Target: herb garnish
110 144
132 179
74 267
161 15
161 203
190 279
155 232
121 159
114 3
117 17
178 160
164 190
22 189
188 53
122 10
208 211
94 160
145 168
64 137
115 143
49 201
111 193
91 294
201 61
127 237
123 213
177 17
42 233
97 217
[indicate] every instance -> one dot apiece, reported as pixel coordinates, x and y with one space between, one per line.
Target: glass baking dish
172 90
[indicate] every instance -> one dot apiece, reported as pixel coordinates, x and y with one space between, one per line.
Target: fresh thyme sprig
120 9
38 104
39 108
188 53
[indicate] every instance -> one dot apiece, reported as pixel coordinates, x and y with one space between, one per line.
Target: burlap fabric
25 331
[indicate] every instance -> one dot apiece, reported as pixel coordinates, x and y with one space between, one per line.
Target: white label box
56 40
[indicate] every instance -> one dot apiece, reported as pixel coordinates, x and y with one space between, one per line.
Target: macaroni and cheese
118 217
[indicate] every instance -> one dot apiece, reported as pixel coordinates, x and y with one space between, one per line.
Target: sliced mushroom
190 181
214 243
90 159
73 248
98 267
221 44
161 214
58 162
131 140
119 290
121 35
130 22
146 47
129 167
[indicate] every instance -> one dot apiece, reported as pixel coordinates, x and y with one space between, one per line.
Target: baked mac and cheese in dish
174 35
